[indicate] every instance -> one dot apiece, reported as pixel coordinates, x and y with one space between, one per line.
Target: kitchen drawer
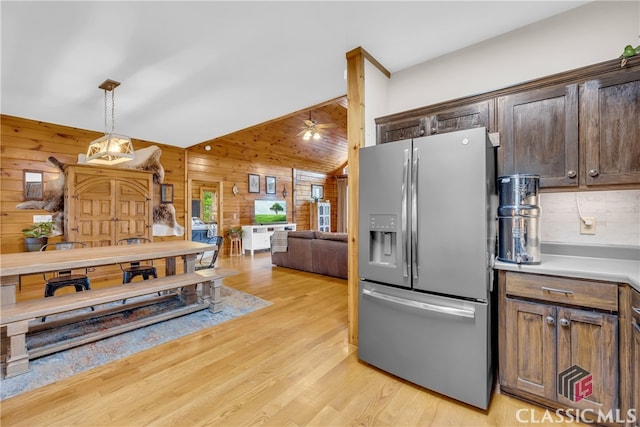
563 290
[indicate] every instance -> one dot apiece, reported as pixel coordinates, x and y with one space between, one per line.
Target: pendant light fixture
111 148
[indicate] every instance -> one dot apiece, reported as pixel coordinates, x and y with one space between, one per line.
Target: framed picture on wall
166 193
270 184
317 191
254 183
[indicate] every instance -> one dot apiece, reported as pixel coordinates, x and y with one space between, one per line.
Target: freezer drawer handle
460 312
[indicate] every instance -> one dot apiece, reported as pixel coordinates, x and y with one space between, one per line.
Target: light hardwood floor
289 364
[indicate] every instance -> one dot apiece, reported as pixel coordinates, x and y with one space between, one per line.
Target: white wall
376 98
586 35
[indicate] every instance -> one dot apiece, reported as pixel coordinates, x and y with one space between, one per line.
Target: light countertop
598 262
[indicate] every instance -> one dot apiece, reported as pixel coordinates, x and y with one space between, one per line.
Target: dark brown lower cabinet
559 344
635 355
544 341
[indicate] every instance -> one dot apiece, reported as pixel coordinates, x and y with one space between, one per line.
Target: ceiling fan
312 129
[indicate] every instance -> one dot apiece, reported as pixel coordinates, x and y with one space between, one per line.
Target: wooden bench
16 317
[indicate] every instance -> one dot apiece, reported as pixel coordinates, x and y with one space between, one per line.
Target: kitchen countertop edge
582 267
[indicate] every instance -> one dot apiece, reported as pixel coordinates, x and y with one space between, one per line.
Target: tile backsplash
616 213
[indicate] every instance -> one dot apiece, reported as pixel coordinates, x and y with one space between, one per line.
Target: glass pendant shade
110 149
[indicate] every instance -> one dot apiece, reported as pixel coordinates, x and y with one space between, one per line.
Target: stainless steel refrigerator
426 244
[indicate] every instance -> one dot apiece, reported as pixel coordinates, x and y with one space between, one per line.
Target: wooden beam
355 140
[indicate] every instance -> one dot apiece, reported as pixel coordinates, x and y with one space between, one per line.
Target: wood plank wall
304 181
238 209
26 144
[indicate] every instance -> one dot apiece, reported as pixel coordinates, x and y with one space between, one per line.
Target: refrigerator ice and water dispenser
383 232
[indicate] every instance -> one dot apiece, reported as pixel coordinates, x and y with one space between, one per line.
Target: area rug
54 367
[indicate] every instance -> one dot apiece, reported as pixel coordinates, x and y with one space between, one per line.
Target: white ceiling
193 71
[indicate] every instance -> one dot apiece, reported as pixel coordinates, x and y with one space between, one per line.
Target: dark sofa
313 251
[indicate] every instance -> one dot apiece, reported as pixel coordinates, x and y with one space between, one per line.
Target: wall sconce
284 191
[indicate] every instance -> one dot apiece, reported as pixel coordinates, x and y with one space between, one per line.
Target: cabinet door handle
557 291
550 320
564 322
572 174
637 326
636 309
593 173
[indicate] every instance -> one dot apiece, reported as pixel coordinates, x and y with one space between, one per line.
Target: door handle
404 200
452 311
414 213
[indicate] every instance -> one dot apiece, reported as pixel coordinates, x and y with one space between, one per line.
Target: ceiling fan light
307 135
316 135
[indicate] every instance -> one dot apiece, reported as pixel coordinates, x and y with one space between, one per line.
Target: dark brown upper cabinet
578 129
399 129
610 129
479 114
539 134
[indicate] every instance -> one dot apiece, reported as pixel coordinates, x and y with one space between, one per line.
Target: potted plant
235 232
37 235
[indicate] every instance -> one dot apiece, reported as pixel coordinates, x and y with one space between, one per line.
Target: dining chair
61 279
145 269
215 240
64 278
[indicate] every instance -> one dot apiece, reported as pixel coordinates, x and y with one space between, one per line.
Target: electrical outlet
42 218
587 225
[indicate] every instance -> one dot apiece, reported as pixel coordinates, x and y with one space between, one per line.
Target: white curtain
342 207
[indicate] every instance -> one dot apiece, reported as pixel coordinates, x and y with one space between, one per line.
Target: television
270 211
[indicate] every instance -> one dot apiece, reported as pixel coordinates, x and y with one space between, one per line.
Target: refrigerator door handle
403 222
458 312
414 214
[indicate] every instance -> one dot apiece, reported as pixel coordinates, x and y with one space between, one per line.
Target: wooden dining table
15 265
18 318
